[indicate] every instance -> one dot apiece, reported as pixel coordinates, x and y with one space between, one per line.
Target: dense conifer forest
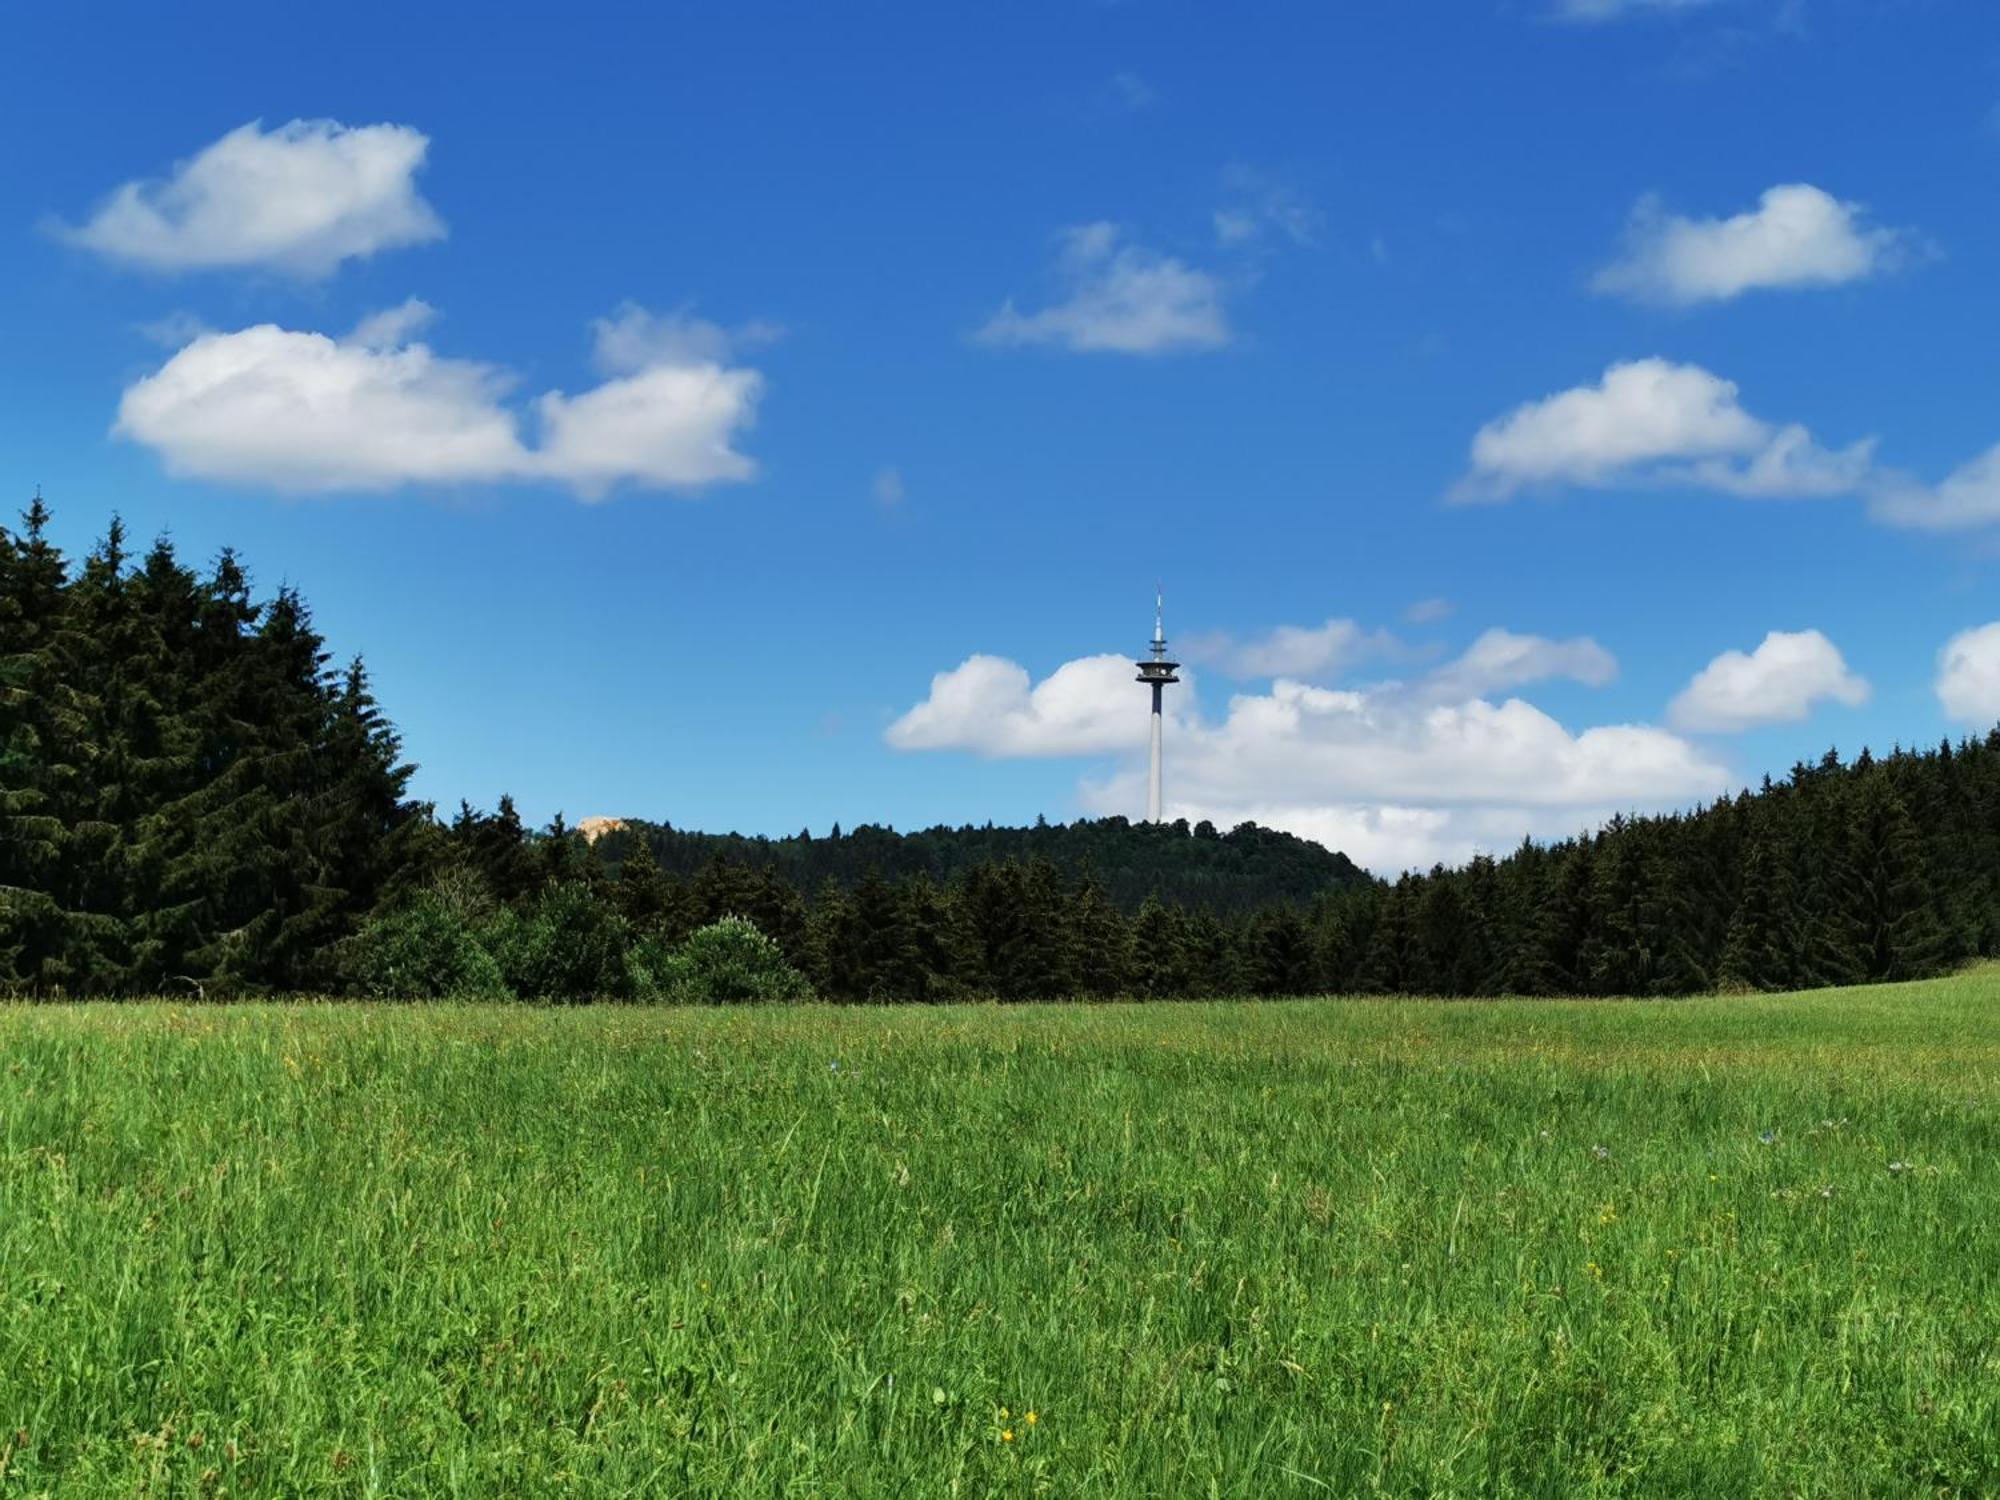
193 799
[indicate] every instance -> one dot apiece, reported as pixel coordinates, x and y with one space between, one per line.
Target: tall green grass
1290 1249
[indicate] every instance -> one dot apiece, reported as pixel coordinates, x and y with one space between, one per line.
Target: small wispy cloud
1125 92
1119 298
1260 205
633 338
1588 11
393 327
1307 653
173 330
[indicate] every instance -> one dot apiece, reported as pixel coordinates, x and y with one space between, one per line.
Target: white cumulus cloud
301 412
1402 781
990 706
1797 236
301 199
1120 299
1395 774
1968 680
1653 422
1778 683
666 427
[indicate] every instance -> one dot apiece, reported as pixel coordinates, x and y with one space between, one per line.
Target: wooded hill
1242 870
192 800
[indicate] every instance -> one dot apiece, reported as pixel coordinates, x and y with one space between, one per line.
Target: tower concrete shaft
1155 784
1157 671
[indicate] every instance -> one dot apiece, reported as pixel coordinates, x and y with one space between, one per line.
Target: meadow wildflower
1030 1418
1767 1137
1898 1168
1006 1434
1600 1153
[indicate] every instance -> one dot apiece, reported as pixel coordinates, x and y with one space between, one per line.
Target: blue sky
1477 377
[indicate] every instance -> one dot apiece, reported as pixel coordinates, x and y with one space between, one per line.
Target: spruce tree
1160 967
1100 939
1342 925
1279 954
1612 958
832 961
641 889
1396 963
1901 935
888 959
45 746
1761 950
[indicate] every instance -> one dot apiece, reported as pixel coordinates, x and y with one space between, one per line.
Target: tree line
194 799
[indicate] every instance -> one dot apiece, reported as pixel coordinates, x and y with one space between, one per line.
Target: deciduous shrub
427 949
725 963
568 943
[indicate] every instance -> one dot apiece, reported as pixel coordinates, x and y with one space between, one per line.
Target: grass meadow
1723 1246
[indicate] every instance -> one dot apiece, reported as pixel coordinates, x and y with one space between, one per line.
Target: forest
195 800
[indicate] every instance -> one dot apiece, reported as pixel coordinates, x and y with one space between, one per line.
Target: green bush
568 943
725 963
425 950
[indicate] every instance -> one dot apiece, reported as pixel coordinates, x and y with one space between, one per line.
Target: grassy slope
1277 1250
